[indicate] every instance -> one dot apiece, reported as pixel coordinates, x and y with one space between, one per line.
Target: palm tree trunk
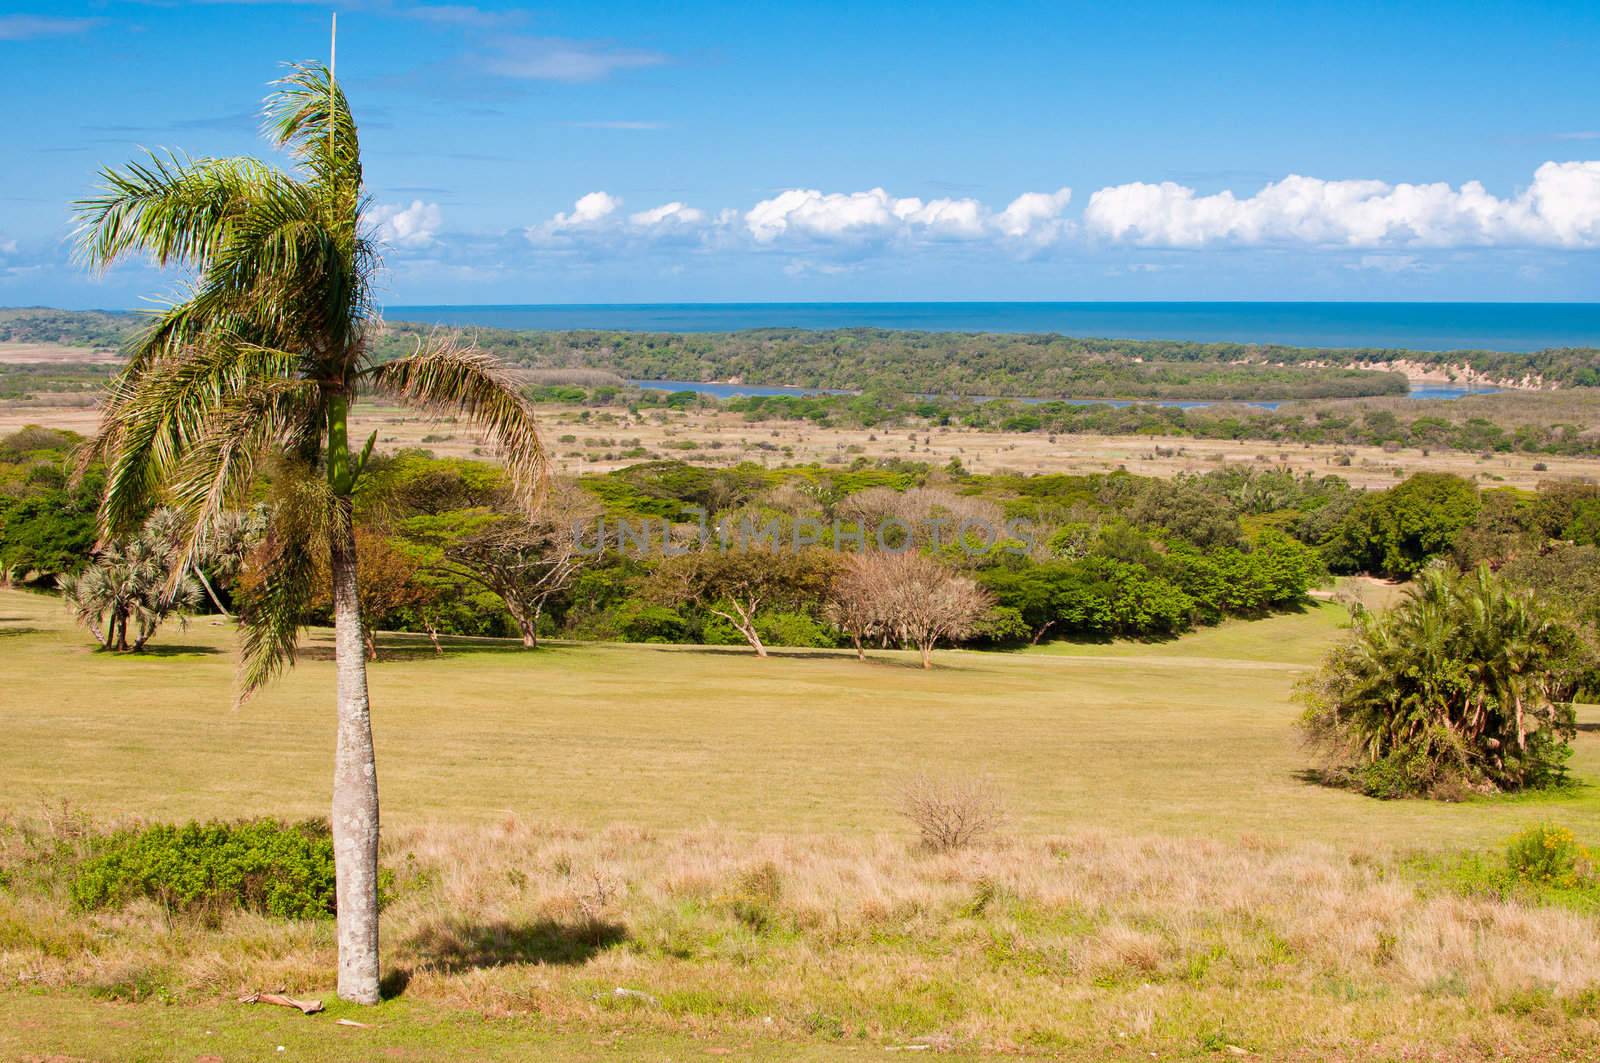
215 601
355 783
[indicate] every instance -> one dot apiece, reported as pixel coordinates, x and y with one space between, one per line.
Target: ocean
1406 326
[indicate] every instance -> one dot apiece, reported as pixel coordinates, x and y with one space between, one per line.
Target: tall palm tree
259 362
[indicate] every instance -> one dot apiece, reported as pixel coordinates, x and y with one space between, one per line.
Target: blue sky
630 152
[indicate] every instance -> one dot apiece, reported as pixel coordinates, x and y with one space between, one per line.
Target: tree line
444 548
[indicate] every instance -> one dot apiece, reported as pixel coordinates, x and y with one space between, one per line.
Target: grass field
720 834
718 438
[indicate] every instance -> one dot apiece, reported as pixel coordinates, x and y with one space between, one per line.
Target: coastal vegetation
1010 364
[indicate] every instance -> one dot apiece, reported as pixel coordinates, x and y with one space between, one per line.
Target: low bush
1547 855
951 814
793 629
261 866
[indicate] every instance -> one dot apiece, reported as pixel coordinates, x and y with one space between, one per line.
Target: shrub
1547 855
793 629
952 813
261 866
1466 685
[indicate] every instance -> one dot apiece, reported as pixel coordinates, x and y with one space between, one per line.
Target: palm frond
445 380
298 533
266 417
155 417
178 211
308 115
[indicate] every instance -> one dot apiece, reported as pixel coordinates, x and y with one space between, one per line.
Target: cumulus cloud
668 214
588 212
596 221
1561 208
411 226
874 216
1391 227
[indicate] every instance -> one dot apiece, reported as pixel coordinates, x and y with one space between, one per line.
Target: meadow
719 837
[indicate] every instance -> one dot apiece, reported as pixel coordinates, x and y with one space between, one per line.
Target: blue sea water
1406 326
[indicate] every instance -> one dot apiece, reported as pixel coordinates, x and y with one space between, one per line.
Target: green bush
793 629
1548 855
260 866
1465 686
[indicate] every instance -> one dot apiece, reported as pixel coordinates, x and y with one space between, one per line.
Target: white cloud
1035 217
1561 208
596 221
409 227
809 215
557 59
587 212
667 214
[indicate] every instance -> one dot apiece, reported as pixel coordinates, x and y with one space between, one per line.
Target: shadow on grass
456 945
168 649
20 631
1328 780
403 647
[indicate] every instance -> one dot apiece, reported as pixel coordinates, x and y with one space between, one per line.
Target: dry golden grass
1085 944
714 438
56 354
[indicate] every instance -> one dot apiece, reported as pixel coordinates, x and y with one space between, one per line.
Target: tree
130 580
925 603
855 601
737 584
1467 684
388 584
1398 531
260 361
523 560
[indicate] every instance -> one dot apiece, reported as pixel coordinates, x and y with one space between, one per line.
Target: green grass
1154 893
1193 736
61 1026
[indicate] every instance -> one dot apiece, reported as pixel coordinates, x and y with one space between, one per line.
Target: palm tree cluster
1466 685
130 581
257 367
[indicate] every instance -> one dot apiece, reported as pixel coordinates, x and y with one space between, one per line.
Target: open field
720 834
57 354
1188 737
610 442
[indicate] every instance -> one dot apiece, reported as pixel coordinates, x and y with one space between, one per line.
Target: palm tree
258 363
131 579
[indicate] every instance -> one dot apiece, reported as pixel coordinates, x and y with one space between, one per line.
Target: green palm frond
446 380
178 211
157 416
309 116
267 417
